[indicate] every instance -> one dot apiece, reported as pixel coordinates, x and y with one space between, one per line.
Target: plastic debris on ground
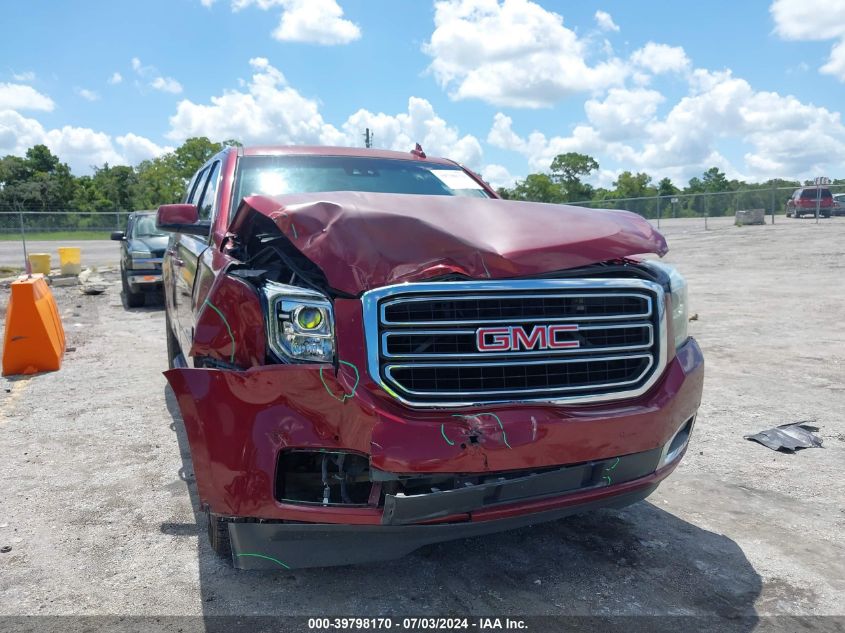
788 438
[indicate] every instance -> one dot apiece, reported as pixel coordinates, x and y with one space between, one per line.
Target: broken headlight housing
300 323
678 289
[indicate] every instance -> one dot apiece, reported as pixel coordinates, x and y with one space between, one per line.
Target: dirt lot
98 497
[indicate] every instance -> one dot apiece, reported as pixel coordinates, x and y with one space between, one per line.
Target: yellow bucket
40 263
70 260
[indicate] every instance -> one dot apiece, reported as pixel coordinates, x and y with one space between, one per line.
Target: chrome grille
423 340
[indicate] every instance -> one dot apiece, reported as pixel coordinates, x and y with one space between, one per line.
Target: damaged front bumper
273 545
484 471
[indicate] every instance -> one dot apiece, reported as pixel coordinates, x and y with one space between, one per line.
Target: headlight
300 323
678 287
133 255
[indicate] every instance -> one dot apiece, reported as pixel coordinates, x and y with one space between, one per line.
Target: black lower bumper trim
406 510
299 545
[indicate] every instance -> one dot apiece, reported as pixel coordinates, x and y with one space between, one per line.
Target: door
187 250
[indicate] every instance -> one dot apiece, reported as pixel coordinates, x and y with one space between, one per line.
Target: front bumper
298 545
144 279
238 424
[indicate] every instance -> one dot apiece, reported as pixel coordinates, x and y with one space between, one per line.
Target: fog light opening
323 477
676 445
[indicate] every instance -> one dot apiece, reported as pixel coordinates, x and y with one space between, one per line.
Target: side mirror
118 236
182 218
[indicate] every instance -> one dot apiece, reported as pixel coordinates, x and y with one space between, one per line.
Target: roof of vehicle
322 150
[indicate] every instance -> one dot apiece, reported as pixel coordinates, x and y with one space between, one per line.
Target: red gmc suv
371 352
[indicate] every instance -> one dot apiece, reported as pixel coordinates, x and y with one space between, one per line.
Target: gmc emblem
513 338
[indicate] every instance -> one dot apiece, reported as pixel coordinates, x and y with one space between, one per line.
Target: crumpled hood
367 240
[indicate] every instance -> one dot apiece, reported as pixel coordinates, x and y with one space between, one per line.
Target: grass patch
56 236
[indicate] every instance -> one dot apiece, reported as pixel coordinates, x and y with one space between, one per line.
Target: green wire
501 426
226 323
607 470
275 560
443 433
345 396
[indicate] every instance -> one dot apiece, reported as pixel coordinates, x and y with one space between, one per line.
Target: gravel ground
98 496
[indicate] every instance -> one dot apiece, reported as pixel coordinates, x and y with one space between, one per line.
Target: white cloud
540 150
514 53
166 84
88 95
311 21
18 133
27 76
116 78
20 97
157 81
80 147
605 21
502 135
836 64
661 58
497 176
420 124
135 149
623 113
814 20
784 137
267 110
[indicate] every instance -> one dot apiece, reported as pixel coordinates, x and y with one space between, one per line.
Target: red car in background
371 352
805 200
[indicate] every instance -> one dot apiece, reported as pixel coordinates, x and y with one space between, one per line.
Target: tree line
39 181
563 183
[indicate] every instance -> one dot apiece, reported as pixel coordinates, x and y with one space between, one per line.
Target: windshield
144 226
814 193
279 175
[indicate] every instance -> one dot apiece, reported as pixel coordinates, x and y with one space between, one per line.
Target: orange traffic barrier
35 339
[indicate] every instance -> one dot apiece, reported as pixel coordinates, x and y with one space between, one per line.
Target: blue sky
753 87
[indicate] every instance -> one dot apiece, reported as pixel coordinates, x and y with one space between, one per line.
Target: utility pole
26 265
368 138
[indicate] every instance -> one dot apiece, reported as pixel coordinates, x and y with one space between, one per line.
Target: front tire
172 343
131 299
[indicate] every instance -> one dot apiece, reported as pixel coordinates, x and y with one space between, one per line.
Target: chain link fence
709 204
58 223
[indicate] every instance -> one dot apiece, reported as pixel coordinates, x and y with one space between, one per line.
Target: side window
208 201
195 188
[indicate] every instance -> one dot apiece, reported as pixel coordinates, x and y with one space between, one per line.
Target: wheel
218 537
131 299
172 343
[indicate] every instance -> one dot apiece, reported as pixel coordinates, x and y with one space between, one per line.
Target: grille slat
567 340
526 307
419 344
